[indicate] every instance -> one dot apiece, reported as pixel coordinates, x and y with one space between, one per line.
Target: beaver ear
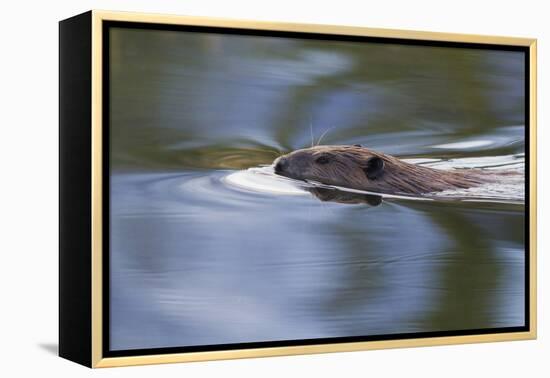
374 168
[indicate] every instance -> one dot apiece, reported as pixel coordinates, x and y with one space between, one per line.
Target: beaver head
357 167
333 165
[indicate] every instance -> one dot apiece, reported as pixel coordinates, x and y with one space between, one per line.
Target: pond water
208 246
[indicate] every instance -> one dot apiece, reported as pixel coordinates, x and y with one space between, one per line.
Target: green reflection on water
172 92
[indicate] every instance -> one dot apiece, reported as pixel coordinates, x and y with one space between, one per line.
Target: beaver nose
281 165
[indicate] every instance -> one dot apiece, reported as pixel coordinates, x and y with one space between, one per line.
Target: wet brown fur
347 167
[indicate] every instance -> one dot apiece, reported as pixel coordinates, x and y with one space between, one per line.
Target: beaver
357 167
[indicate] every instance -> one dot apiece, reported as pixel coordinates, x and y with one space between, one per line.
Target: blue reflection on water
198 262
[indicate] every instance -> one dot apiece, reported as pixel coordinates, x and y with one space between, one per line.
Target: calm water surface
208 247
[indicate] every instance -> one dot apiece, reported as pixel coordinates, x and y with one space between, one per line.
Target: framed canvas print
235 189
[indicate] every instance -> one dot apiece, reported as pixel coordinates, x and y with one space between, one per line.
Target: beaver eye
322 160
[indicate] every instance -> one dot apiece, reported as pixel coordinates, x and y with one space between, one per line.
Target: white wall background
28 161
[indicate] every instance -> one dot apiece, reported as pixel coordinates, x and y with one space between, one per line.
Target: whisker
311 130
322 135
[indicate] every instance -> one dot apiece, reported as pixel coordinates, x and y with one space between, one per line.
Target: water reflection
198 257
326 194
